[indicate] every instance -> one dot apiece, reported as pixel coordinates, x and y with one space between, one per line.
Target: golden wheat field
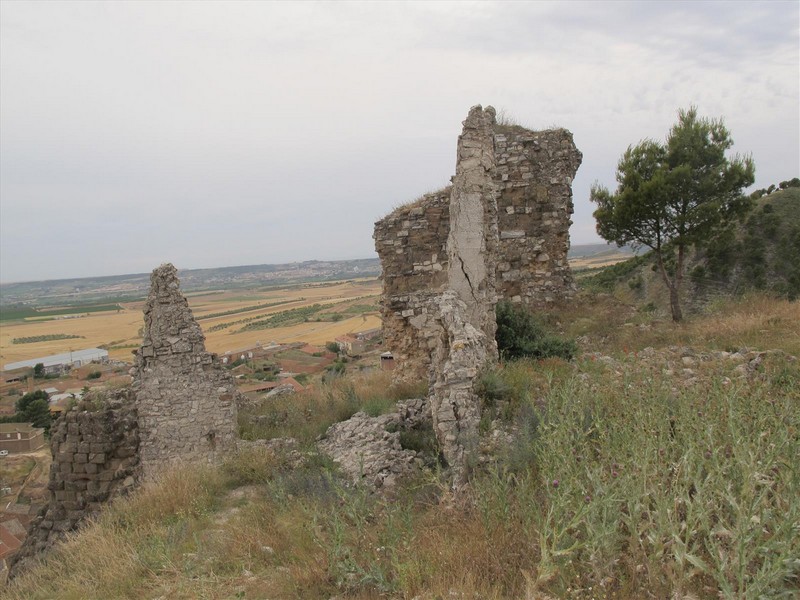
119 330
595 262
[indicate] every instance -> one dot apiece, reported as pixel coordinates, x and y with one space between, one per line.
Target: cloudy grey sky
214 134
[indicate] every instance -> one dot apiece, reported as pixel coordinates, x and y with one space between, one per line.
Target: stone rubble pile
368 449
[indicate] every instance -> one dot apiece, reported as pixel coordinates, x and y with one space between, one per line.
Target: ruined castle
529 185
181 408
500 231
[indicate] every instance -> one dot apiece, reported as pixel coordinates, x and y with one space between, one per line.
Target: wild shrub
308 414
519 335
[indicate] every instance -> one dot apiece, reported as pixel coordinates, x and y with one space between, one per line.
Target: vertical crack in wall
532 175
459 317
501 230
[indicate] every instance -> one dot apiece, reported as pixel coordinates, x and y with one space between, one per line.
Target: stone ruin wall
95 459
461 318
186 401
181 407
412 245
439 281
533 177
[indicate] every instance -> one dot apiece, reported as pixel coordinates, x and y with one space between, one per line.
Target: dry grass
308 414
623 482
754 321
137 540
406 206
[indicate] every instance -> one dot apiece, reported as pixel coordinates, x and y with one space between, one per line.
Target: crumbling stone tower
186 403
444 300
462 315
532 174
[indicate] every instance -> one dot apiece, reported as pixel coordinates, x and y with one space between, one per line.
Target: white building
59 363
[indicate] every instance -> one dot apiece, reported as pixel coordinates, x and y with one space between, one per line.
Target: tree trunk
675 304
673 286
675 290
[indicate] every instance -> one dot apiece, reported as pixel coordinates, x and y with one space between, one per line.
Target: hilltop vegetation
758 252
660 462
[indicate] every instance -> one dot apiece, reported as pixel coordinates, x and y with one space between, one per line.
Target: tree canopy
34 407
672 195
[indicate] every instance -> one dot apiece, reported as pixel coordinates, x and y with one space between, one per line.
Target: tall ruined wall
412 245
94 449
533 175
439 282
181 407
186 402
472 240
463 314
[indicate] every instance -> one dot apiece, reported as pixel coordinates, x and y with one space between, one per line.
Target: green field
19 313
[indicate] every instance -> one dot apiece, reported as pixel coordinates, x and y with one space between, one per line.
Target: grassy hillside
760 253
659 463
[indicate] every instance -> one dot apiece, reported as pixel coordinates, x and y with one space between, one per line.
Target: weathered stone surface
186 402
532 175
79 489
439 316
285 389
367 452
462 350
472 239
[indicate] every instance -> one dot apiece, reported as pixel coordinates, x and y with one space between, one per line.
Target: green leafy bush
520 335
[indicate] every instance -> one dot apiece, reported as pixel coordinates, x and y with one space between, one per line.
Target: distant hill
134 286
118 288
584 250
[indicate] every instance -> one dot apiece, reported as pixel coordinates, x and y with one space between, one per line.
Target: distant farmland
345 307
18 313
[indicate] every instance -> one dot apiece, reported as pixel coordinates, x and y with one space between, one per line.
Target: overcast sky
215 134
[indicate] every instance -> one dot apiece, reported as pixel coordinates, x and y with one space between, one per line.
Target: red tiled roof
294 383
259 387
347 338
8 542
